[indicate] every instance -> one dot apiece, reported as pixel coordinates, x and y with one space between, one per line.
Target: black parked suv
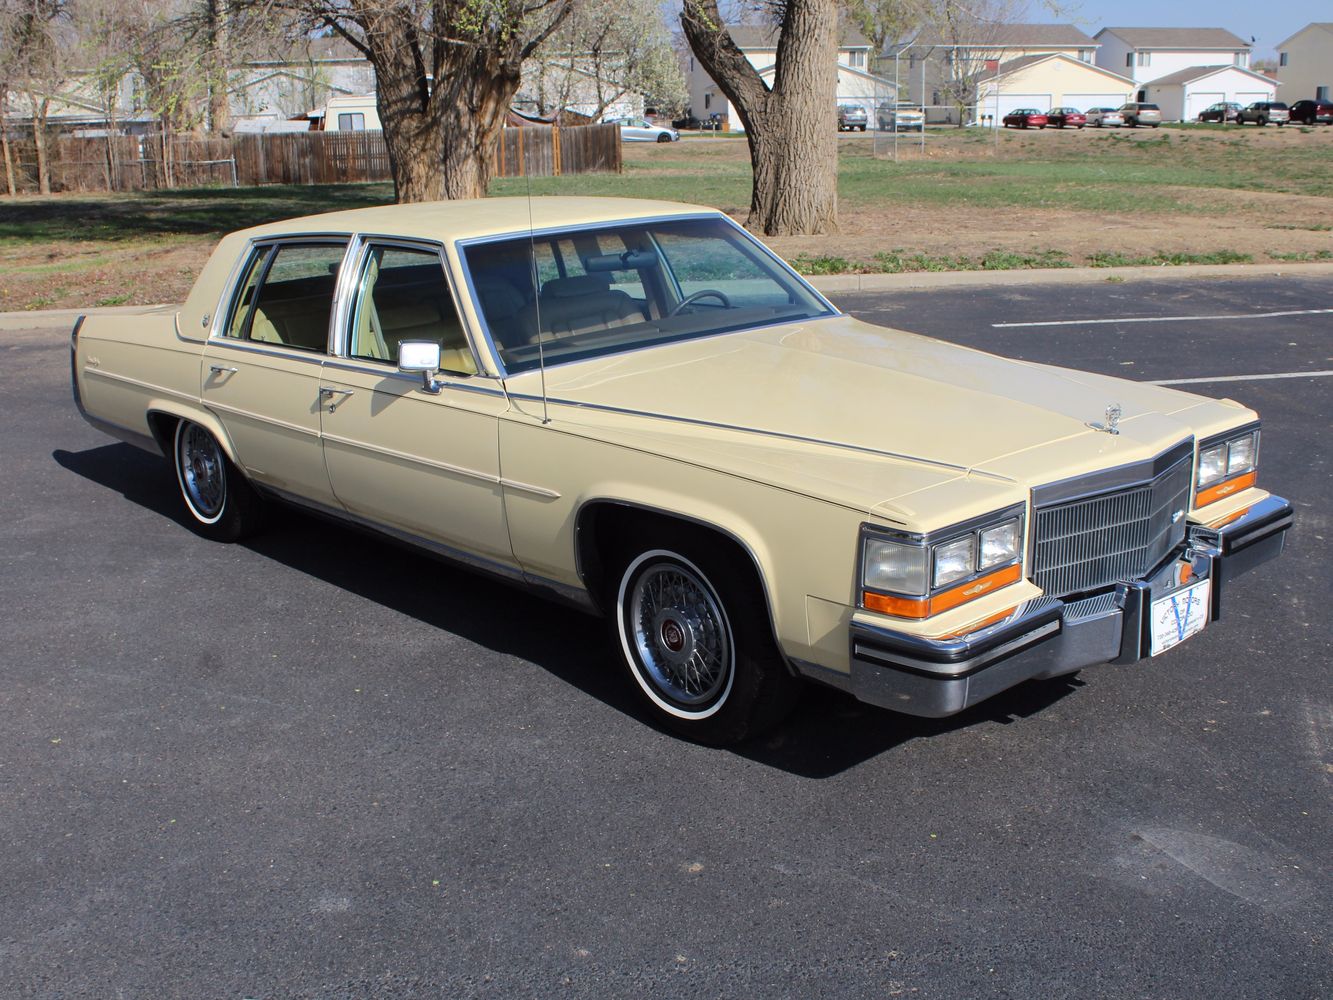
1263 112
1312 112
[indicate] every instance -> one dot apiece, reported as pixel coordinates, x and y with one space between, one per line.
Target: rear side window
286 296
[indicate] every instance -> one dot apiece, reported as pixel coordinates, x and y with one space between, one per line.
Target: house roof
1177 38
1325 25
1199 72
995 35
765 36
1011 66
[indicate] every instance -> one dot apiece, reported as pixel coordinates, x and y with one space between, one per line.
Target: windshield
612 289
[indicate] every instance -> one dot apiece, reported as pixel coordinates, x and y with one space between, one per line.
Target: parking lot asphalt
315 765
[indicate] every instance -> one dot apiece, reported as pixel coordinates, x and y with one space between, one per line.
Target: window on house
1085 55
1145 58
1321 93
1129 58
856 59
1239 59
708 101
352 122
1282 59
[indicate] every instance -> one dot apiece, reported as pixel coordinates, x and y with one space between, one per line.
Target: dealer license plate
1178 615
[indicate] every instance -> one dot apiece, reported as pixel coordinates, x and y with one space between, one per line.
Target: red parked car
1311 112
1025 118
1060 117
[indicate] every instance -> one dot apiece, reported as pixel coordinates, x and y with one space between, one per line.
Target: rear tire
694 634
220 501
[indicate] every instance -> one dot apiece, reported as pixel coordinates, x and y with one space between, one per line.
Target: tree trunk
440 141
39 110
791 127
219 112
9 166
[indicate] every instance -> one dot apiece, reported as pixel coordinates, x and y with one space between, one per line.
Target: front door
261 372
424 463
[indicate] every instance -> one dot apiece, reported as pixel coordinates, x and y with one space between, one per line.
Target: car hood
865 415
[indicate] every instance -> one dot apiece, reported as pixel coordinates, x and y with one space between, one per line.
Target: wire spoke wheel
677 634
203 473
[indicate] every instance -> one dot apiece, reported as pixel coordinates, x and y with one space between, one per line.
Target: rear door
261 366
423 463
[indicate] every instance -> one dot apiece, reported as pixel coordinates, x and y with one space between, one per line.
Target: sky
1269 21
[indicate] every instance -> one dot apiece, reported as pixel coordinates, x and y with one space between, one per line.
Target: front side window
286 295
402 295
594 292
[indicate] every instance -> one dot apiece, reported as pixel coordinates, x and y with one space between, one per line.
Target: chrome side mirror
421 356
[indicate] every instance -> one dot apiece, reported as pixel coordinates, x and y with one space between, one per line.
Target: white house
1305 64
1148 54
759 43
1182 95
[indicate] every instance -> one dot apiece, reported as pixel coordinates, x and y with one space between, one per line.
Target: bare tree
446 72
969 32
39 35
603 51
790 124
884 22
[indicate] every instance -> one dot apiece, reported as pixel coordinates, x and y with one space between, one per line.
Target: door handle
326 392
220 370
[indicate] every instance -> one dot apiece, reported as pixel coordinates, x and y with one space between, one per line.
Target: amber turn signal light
924 607
1224 489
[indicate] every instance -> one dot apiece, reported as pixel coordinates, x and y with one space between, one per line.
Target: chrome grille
1092 542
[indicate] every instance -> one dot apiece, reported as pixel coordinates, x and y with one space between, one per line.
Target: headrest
581 284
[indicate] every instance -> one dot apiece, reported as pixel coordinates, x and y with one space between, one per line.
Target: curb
854 283
1056 276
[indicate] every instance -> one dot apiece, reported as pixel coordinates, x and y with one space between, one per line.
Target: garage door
1011 102
1085 101
1197 102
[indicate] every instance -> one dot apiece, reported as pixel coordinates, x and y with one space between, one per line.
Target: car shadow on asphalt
828 733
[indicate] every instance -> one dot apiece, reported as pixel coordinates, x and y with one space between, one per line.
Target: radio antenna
536 296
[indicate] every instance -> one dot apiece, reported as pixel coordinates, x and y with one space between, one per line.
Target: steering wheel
701 293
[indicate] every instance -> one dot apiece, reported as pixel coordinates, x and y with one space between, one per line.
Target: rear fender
162 417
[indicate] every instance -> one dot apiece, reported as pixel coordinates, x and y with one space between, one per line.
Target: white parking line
1164 319
1240 378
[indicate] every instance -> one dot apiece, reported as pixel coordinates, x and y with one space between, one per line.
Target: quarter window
286 296
403 296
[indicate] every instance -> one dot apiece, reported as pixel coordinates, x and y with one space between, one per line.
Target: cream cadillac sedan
635 407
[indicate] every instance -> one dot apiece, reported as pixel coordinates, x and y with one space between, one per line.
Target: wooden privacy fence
148 162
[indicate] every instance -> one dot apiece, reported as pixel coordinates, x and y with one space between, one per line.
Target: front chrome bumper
1049 637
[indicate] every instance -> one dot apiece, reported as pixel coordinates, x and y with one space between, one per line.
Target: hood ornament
1111 424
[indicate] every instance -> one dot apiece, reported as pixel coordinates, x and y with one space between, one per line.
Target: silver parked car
1263 112
642 130
1105 117
1136 113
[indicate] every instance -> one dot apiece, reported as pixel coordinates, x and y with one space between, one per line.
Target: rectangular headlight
1000 544
1240 455
1212 464
956 560
897 567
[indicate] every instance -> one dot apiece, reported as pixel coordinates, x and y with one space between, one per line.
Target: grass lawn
1031 199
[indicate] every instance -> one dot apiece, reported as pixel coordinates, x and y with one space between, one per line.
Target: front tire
221 503
694 633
